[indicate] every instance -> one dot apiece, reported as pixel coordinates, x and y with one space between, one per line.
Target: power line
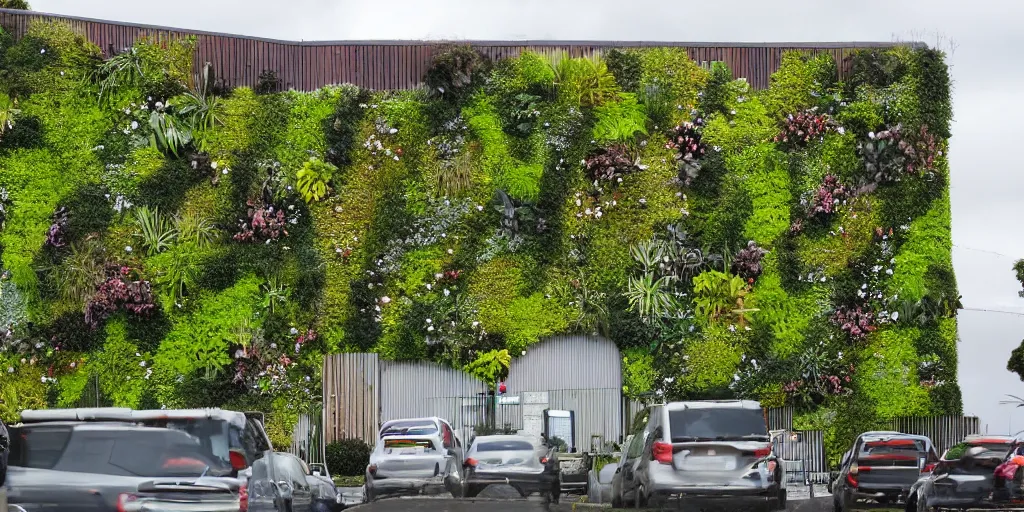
987 251
984 310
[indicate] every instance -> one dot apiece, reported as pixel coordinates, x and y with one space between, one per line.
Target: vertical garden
168 241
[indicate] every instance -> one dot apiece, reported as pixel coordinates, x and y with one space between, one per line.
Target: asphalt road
532 505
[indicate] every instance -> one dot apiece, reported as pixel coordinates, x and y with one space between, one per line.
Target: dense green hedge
190 245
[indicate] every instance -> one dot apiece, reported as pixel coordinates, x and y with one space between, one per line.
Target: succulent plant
799 130
687 141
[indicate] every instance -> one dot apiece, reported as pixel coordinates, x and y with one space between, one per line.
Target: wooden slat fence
381 65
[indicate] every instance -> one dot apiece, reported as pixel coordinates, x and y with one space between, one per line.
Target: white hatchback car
414 456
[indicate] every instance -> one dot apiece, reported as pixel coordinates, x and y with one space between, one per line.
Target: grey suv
713 452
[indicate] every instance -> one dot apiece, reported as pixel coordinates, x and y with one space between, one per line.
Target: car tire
783 496
368 496
472 491
640 497
616 497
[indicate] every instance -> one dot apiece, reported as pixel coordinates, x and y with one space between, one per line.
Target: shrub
348 457
454 70
610 164
686 141
799 130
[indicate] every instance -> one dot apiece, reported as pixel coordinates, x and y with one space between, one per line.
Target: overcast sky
988 228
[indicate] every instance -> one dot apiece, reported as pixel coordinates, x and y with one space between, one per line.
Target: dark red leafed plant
800 129
857 322
687 141
829 195
264 223
920 151
120 292
55 236
609 164
747 263
451 276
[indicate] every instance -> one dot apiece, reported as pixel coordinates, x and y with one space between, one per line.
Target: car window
290 468
37 447
154 452
735 423
891 449
992 448
636 447
410 428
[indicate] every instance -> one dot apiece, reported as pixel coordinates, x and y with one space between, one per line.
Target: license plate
710 463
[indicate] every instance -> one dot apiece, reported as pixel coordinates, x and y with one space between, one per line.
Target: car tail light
125 500
851 480
372 469
243 498
928 468
543 460
471 462
763 452
771 466
237 459
662 452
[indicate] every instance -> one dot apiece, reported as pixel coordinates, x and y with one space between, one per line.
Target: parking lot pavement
439 504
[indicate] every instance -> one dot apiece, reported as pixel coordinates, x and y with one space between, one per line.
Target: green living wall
169 242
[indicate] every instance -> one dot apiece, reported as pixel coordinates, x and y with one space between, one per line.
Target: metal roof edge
807 45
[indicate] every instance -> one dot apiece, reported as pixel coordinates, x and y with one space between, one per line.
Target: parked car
234 437
107 466
879 470
713 451
528 465
966 476
414 456
238 440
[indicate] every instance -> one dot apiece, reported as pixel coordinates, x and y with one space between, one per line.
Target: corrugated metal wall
567 362
808 447
422 389
944 431
351 384
397 64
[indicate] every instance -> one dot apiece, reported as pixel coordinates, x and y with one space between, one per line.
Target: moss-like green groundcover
174 243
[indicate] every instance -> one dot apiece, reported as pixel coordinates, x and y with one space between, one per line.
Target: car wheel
835 504
368 496
782 499
640 498
616 496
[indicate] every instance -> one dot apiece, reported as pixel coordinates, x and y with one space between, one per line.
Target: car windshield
992 448
504 446
216 436
145 452
409 428
891 449
726 424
